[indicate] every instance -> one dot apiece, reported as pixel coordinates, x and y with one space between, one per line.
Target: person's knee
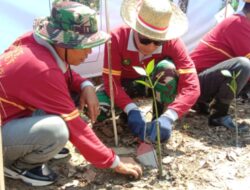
62 132
244 65
243 68
56 131
166 87
166 66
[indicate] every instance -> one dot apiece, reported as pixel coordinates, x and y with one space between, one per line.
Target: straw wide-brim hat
155 19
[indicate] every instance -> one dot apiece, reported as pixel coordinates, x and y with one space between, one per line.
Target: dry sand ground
197 157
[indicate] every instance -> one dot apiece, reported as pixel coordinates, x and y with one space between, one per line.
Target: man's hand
128 166
88 98
137 123
165 129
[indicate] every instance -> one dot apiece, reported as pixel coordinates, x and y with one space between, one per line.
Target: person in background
226 47
38 113
152 33
202 20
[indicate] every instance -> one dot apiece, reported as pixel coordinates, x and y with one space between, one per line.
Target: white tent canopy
16 18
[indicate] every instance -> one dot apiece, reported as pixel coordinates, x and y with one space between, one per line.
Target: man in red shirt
38 113
226 47
152 34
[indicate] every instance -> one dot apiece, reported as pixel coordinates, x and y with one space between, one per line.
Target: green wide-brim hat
71 25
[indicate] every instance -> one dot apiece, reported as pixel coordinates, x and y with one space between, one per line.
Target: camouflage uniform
68 28
165 89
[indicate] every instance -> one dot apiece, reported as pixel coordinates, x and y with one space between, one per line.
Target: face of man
73 56
77 56
145 45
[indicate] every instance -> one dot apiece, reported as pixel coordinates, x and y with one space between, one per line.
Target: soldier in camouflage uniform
38 113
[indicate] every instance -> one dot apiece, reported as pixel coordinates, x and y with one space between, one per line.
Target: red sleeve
89 144
188 89
239 43
121 98
49 92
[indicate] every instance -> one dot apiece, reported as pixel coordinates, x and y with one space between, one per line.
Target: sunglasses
146 41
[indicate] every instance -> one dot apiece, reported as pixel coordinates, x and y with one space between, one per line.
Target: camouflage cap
71 25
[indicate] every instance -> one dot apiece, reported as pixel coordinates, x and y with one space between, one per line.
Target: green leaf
143 82
232 89
140 70
226 73
238 74
159 77
150 67
234 85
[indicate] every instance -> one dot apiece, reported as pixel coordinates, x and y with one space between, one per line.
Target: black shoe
227 122
201 108
38 176
62 154
245 92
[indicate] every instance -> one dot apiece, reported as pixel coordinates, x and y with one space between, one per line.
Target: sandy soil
197 157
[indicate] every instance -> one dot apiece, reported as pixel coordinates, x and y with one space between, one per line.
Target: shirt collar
61 64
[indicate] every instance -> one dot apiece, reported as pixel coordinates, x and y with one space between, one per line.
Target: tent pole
2 185
227 1
110 75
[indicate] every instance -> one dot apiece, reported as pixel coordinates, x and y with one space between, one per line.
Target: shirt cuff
129 107
171 114
116 162
86 83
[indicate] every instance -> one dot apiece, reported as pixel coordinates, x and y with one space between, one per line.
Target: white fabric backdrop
16 17
203 15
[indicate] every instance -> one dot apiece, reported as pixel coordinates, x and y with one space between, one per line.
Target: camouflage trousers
165 89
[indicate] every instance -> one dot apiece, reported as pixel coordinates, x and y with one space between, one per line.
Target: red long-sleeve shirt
30 79
124 57
229 39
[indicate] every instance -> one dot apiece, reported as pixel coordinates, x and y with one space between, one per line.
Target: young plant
233 86
147 72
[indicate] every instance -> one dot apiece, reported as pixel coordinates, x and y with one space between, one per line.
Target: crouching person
151 33
218 51
36 77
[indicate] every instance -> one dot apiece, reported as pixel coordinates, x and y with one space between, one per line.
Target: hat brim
68 39
178 24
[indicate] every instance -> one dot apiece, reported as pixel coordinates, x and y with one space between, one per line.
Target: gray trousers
214 85
31 141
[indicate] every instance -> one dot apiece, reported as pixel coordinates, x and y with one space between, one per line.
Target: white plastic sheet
16 18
